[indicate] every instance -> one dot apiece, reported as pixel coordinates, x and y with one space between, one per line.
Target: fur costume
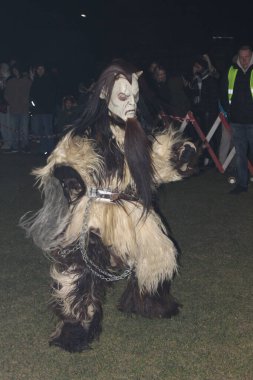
97 223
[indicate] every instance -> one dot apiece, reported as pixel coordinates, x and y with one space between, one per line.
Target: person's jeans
19 130
42 127
5 129
242 135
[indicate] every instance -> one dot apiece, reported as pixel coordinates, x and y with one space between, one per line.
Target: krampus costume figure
97 223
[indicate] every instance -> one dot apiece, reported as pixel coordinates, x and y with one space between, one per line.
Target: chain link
67 251
82 245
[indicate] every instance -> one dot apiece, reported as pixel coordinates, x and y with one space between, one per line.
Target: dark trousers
242 135
42 127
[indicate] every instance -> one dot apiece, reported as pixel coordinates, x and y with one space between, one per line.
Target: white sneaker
206 161
231 180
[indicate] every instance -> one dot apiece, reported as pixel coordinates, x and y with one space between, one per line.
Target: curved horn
138 74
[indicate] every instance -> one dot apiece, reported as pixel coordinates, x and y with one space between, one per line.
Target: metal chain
107 276
67 251
82 245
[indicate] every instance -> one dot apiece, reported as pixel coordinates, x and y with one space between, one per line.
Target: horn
103 94
138 74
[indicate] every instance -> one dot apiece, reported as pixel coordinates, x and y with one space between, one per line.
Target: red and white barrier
220 120
232 152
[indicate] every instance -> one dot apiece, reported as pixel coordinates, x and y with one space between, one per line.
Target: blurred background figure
84 90
150 73
204 96
4 114
66 116
17 94
43 96
161 89
179 102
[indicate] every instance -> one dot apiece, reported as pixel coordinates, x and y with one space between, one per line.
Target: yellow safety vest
231 82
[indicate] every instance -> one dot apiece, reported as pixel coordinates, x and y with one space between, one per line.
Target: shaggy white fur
140 242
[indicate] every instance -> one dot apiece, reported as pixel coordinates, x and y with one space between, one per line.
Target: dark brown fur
138 156
159 305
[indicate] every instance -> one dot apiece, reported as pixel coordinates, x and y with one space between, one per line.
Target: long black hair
95 123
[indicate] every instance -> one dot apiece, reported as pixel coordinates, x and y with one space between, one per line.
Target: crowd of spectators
35 111
206 92
196 91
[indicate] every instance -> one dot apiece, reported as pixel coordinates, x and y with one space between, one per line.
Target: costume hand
187 159
187 151
71 181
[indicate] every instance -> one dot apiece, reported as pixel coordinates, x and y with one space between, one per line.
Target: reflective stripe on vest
231 82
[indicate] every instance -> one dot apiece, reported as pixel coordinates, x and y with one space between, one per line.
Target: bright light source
83 15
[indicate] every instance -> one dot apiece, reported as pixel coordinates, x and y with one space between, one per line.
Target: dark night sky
53 31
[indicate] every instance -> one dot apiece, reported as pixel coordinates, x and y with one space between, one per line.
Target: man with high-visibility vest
237 101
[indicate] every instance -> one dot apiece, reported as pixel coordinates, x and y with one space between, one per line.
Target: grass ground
211 339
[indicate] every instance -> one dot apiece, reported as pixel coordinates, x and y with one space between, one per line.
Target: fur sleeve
46 226
77 153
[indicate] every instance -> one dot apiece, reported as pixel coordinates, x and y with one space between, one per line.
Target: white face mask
124 98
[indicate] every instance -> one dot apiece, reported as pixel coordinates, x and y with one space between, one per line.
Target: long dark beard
138 156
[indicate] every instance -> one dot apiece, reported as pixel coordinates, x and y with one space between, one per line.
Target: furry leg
161 304
77 298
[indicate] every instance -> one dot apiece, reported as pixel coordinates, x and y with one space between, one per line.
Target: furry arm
172 156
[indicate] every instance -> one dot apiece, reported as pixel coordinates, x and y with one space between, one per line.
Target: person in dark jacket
43 102
204 96
237 101
160 88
